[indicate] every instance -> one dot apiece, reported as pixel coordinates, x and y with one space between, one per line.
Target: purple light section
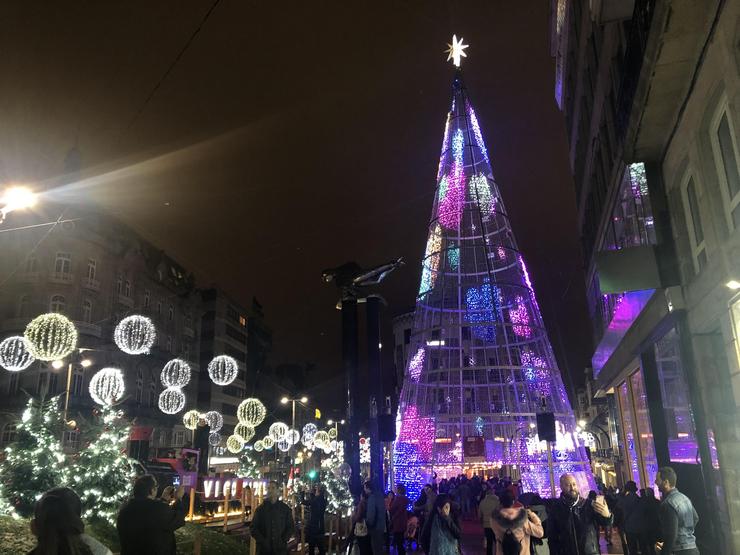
452 198
625 315
520 318
416 365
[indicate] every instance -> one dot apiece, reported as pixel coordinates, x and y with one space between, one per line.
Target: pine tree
336 487
34 462
102 474
248 467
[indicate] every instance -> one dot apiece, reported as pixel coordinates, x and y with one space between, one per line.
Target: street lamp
58 364
15 198
293 400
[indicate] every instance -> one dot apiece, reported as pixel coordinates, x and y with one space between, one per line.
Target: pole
350 359
292 427
376 388
550 469
66 395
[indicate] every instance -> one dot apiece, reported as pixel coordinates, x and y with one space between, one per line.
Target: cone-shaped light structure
480 362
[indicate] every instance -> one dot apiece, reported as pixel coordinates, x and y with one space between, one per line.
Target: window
694 223
407 336
91 269
78 381
152 394
168 345
147 298
179 438
232 314
139 386
13 383
682 445
8 436
170 313
87 311
42 385
23 306
724 145
63 264
57 304
72 439
127 289
32 265
242 321
159 308
631 223
119 285
236 335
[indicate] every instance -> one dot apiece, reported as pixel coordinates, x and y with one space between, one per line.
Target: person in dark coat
398 511
146 525
317 509
573 522
630 509
441 533
272 524
651 527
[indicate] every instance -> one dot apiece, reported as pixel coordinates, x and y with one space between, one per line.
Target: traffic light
312 474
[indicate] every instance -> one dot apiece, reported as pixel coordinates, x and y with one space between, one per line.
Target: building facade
650 93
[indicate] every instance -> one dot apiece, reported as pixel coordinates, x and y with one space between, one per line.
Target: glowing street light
15 198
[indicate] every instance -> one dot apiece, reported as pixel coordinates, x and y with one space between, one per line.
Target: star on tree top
455 50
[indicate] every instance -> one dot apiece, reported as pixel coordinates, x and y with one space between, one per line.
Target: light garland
251 412
283 445
135 335
235 444
477 132
430 265
15 354
277 430
245 432
51 337
176 373
214 439
416 365
309 430
258 445
453 257
321 439
190 419
171 400
214 419
107 386
519 316
452 187
483 305
480 193
268 442
223 370
332 433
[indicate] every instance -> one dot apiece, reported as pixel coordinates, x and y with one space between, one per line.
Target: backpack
509 544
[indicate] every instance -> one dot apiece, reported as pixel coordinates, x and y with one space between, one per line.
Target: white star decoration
455 50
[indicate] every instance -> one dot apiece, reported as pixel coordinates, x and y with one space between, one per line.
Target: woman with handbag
359 541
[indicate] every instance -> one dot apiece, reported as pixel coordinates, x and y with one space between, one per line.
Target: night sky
282 139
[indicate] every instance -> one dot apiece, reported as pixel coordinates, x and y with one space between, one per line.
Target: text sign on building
474 449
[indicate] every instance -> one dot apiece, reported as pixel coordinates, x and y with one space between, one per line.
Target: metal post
191 508
66 395
550 469
375 380
350 359
292 427
227 495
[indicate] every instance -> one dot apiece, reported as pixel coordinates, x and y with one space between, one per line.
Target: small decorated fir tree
34 462
102 474
334 478
248 467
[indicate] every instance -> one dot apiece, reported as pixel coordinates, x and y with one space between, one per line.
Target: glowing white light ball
243 431
251 412
268 442
235 444
283 445
171 400
223 370
51 336
107 386
176 373
214 420
277 430
135 335
332 433
321 439
214 439
15 354
293 436
258 445
309 430
190 419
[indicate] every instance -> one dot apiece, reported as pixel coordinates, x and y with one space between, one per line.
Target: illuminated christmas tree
480 362
335 479
248 467
102 474
34 462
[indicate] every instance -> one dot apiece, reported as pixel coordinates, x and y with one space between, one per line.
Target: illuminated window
242 321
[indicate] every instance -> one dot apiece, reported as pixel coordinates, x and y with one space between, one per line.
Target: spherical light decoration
235 444
251 412
344 471
214 420
107 386
214 439
15 354
223 370
308 442
277 430
268 442
332 433
293 436
258 445
51 336
283 445
321 439
176 373
243 431
190 419
135 335
309 430
171 400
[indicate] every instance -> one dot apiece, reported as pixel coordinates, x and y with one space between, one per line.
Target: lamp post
301 401
58 364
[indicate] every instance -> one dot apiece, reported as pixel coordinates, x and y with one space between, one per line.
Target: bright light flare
17 198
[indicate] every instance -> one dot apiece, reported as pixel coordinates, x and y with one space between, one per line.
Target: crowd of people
514 523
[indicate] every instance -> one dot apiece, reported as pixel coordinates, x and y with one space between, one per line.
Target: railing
126 301
633 57
91 283
61 277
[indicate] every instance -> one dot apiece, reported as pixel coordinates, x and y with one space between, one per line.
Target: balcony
61 277
126 301
28 277
91 283
84 328
188 332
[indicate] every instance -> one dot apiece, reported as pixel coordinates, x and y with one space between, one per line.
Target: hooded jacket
522 524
